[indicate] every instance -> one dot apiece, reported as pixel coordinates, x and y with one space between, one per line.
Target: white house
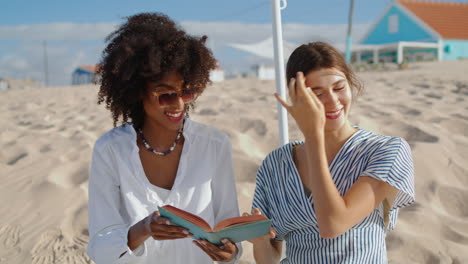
3 85
264 72
7 83
85 74
217 75
417 30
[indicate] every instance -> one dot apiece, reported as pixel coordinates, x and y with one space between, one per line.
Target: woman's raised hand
305 107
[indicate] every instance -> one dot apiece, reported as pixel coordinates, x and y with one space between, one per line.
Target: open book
236 229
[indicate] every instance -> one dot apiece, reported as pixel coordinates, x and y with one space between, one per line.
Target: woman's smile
174 116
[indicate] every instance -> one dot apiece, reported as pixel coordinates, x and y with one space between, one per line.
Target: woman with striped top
333 196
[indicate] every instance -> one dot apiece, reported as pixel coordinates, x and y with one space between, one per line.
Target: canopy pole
279 70
348 37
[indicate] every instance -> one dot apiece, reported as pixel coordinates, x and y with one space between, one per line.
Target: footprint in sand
258 126
69 174
409 111
247 169
413 134
52 247
45 148
433 96
459 172
9 144
207 112
50 242
404 110
17 158
461 88
430 257
453 201
376 114
43 258
454 236
436 120
81 240
422 85
24 123
245 99
47 241
455 126
432 186
422 100
74 257
15 108
9 236
457 115
393 241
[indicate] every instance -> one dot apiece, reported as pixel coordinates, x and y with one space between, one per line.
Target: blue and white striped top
280 195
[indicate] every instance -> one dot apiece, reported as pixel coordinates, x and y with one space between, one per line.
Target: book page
239 221
196 220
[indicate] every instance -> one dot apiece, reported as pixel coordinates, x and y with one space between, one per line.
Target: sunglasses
172 97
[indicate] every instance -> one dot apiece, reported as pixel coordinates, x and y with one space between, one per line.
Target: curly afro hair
146 47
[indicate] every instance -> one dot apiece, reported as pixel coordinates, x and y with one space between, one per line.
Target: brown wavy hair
145 48
317 55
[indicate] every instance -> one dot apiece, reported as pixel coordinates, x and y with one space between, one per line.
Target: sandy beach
47 137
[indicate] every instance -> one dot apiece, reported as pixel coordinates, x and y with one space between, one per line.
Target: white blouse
120 194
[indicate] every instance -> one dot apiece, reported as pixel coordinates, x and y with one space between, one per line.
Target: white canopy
264 48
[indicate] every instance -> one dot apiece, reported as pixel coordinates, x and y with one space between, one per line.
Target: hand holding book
270 235
235 229
225 252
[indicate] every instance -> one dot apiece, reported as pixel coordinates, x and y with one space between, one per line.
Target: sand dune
47 137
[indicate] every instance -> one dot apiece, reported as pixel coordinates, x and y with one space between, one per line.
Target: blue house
85 74
417 30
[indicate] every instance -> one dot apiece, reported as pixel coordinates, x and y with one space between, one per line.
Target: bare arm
337 214
267 251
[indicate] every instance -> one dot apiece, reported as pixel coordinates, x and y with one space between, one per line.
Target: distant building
217 75
264 72
7 84
417 30
85 74
3 85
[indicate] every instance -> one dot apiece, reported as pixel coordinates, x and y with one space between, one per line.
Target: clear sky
249 11
75 30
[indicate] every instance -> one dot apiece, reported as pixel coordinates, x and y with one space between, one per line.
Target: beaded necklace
150 149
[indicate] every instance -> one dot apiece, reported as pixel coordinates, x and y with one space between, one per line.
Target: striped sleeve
392 163
260 200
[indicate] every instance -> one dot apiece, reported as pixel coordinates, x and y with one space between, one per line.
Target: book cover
236 229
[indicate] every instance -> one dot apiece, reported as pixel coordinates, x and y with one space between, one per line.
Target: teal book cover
236 229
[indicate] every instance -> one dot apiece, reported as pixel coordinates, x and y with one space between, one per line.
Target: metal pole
348 38
279 70
46 66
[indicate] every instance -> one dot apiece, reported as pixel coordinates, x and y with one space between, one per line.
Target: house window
393 24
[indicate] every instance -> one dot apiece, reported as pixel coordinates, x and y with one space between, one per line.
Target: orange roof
449 19
90 68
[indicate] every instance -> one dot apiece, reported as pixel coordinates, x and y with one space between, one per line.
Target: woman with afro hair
151 74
